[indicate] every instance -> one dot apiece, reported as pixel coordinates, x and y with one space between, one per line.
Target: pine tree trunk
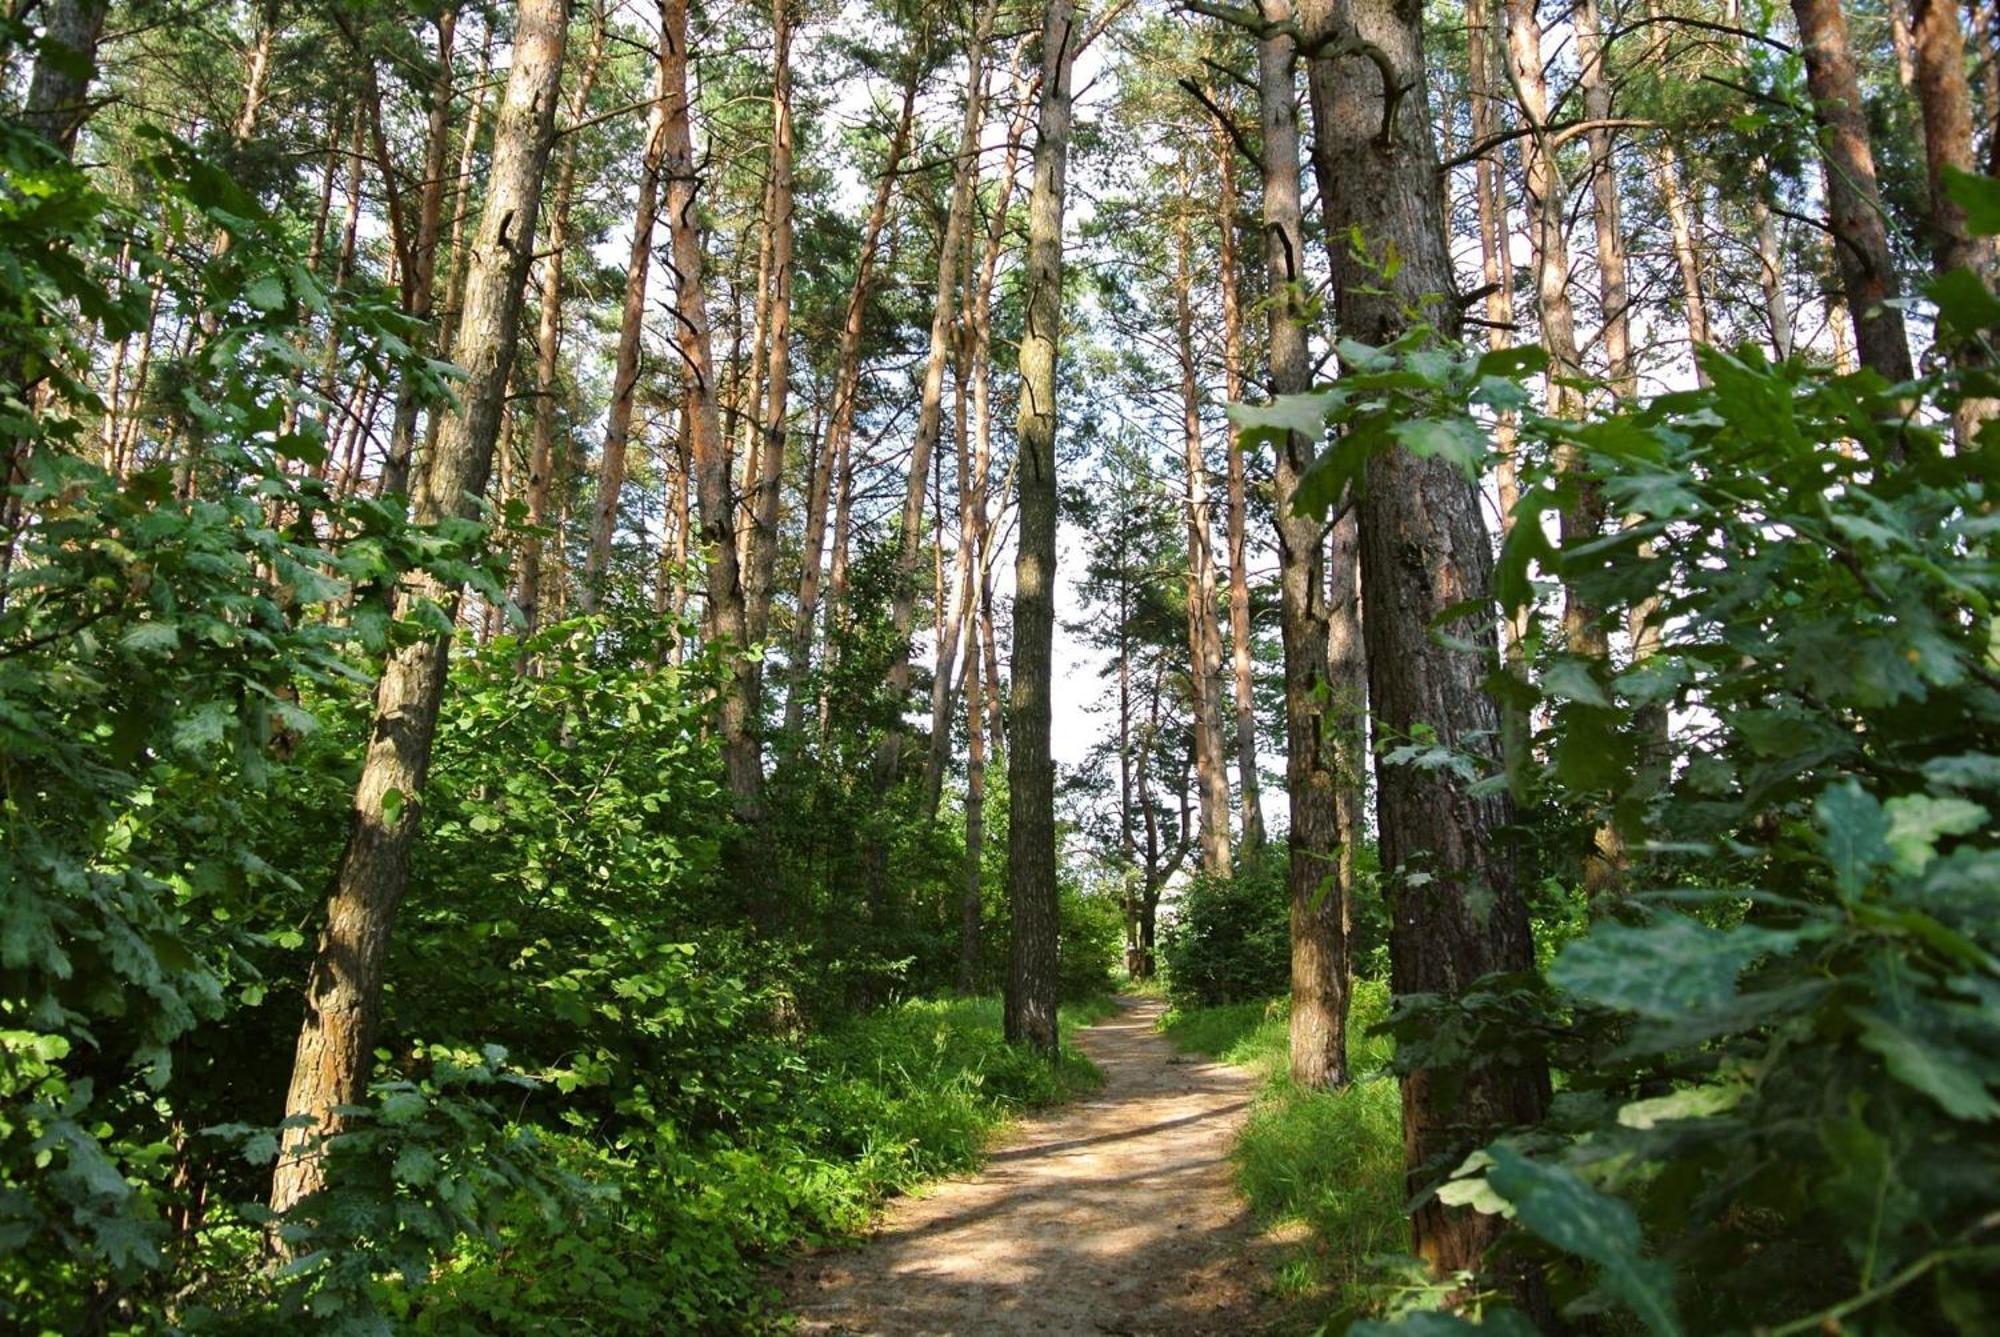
625 365
1613 288
344 990
422 288
1854 199
1318 978
1456 910
1687 255
1030 1014
846 389
1204 635
1945 95
930 406
542 455
1242 649
58 100
761 569
727 623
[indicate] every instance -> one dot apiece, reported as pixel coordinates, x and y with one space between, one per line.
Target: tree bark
762 548
58 100
1318 976
846 390
1456 911
930 405
1614 291
625 363
422 288
344 990
1242 649
542 457
1204 635
1030 1011
1854 199
727 622
1945 95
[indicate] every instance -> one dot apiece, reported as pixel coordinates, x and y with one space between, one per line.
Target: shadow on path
1117 1213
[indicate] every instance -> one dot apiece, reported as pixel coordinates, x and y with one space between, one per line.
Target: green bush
1229 938
1331 1161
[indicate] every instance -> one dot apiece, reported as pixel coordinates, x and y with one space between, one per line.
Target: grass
1328 1161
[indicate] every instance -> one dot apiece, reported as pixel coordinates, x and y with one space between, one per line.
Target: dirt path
1115 1214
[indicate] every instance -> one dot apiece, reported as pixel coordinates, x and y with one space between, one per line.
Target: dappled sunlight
1117 1213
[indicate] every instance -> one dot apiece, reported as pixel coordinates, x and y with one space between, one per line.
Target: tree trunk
1456 911
1613 289
762 549
1946 98
422 288
1854 200
846 388
542 456
625 364
930 405
727 622
58 100
1241 648
1687 254
344 990
1318 979
1030 1015
1204 636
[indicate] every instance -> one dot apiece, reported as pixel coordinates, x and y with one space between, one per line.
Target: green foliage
1329 1160
1229 938
1780 1047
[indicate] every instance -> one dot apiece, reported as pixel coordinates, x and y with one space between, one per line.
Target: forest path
1116 1213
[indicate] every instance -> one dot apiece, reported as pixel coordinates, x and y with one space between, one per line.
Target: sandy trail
1117 1213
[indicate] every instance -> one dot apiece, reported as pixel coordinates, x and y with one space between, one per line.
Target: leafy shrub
1229 938
1782 1043
1330 1160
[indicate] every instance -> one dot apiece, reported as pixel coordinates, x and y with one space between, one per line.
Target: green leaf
1979 196
1964 302
392 807
1570 679
1854 834
1559 1206
1304 414
152 638
1457 441
266 292
1942 1070
1918 821
1670 968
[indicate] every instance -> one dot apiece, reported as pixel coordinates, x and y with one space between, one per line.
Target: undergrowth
1331 1162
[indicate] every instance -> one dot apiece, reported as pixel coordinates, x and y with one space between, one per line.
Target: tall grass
1328 1161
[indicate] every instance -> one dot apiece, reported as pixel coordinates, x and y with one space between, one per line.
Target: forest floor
1117 1213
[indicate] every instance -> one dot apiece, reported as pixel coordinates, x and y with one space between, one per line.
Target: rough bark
1204 634
760 570
1319 951
930 404
58 101
1242 650
420 292
727 622
1030 1012
1456 910
542 456
846 389
625 361
344 989
1854 199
